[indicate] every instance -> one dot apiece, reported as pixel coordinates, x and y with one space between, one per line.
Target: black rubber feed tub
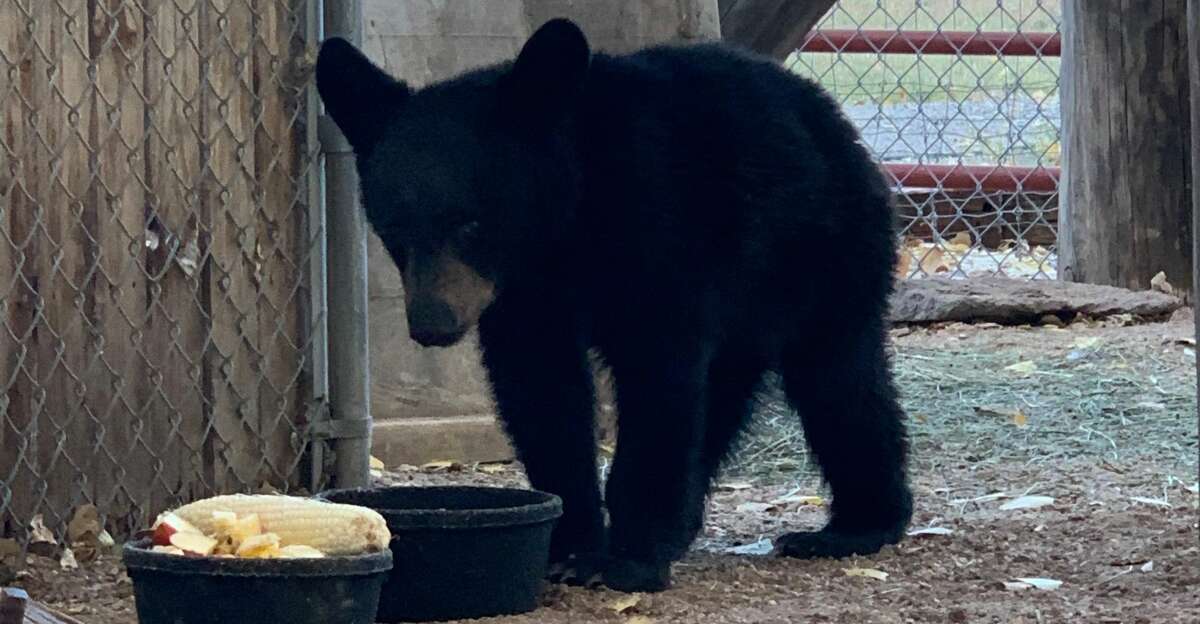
172 589
461 552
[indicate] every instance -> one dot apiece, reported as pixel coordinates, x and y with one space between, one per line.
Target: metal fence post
346 231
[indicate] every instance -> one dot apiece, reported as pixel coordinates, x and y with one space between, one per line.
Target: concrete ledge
419 440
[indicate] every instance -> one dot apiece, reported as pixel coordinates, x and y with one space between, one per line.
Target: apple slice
194 543
169 524
168 550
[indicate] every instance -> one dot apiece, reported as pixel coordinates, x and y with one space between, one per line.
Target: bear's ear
358 95
549 72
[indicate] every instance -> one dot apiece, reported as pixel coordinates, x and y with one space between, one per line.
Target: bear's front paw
627 575
581 570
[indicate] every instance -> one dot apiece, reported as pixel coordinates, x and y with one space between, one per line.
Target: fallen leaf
934 261
41 538
761 547
962 239
931 531
1150 501
84 526
903 264
815 501
38 532
878 575
1015 416
625 602
1016 586
105 539
1159 282
1026 367
1027 502
67 561
1148 566
491 468
435 466
733 486
188 258
1045 584
377 464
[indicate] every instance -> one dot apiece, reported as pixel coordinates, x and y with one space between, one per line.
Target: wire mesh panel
156 164
959 100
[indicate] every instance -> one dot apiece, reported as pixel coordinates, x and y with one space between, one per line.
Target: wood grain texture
177 328
1193 32
233 364
1126 126
772 27
281 212
116 381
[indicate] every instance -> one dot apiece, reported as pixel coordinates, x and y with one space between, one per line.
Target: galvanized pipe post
346 237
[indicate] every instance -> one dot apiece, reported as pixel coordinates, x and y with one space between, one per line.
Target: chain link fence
157 193
959 100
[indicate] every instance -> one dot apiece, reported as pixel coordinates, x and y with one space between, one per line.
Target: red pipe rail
946 42
982 177
956 43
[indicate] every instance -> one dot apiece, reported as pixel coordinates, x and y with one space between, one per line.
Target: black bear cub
694 215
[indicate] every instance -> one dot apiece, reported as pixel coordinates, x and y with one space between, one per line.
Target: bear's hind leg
840 383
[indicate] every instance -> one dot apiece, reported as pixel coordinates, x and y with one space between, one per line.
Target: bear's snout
432 323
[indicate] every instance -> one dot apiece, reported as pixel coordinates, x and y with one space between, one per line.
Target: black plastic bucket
461 552
174 589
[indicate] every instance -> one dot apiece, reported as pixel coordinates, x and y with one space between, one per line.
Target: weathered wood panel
1193 20
153 231
61 147
177 328
228 126
281 206
1126 141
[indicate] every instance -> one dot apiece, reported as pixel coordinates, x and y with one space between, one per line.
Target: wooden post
1125 200
772 27
1193 20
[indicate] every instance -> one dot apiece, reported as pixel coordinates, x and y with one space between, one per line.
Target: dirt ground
1099 417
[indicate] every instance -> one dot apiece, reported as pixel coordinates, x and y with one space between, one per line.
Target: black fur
698 216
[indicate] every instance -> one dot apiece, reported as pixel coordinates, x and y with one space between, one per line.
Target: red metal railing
945 42
966 43
984 177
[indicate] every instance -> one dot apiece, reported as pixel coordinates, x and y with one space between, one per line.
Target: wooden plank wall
153 253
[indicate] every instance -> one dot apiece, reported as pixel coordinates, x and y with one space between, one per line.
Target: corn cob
331 528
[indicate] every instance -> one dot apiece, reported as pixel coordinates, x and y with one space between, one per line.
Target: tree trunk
1125 201
772 27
